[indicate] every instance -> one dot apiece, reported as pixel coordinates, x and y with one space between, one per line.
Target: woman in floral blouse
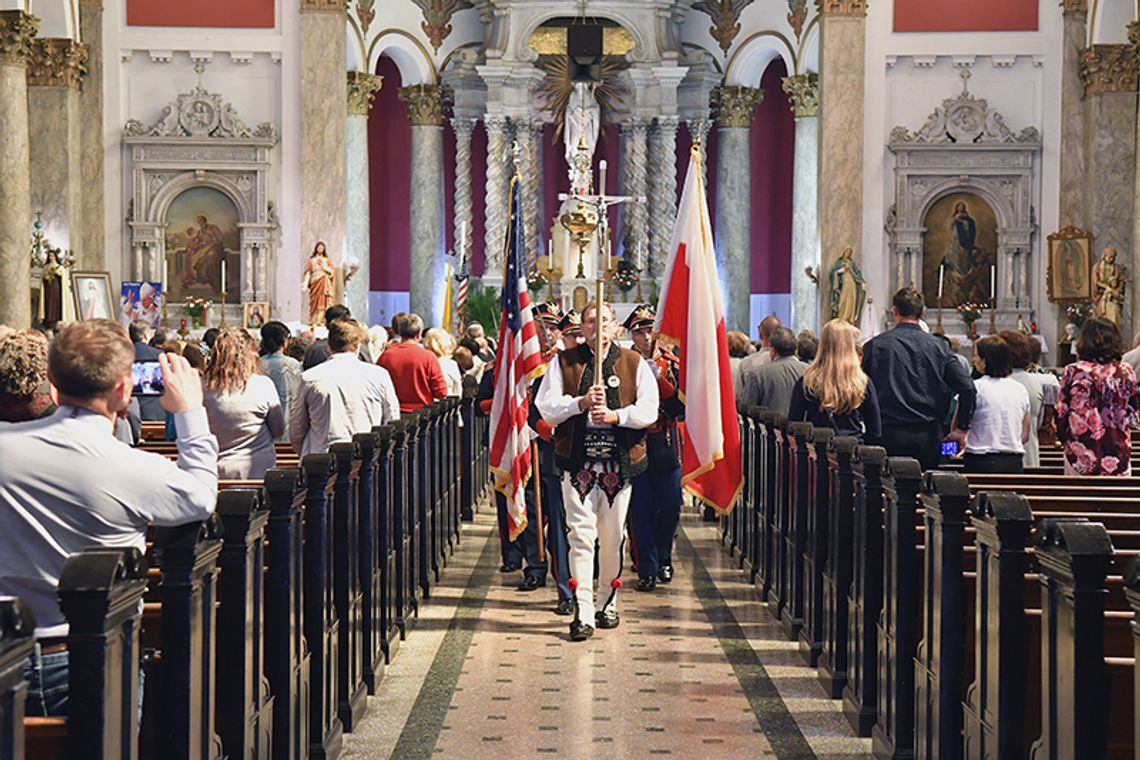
1097 404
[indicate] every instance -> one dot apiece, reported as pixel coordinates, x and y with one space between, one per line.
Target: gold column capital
57 62
1108 68
424 103
738 105
323 5
17 30
803 91
856 8
362 88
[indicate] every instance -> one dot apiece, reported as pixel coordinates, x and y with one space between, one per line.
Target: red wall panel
966 15
773 138
390 175
214 13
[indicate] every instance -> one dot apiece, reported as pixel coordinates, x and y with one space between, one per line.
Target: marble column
1134 268
362 87
1071 144
662 192
54 74
842 52
635 182
88 239
17 29
426 217
1109 74
528 135
803 92
733 228
464 215
495 197
324 126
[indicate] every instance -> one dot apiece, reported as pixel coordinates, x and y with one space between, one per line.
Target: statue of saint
320 280
55 300
847 292
1108 287
583 121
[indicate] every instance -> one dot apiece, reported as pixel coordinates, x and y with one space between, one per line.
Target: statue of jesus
583 121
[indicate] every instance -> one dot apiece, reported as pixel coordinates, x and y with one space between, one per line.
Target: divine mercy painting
960 239
201 233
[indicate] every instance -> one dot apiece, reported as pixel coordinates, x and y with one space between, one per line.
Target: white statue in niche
582 126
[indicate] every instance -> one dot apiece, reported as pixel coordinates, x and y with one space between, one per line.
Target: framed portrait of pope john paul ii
1069 273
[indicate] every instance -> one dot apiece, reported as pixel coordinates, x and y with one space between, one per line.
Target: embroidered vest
577 376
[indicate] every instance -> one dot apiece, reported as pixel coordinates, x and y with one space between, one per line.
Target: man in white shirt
599 448
342 396
66 483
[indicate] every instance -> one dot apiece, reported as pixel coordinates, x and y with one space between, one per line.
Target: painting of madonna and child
961 234
202 231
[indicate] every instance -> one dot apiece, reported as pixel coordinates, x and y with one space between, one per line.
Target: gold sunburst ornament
558 86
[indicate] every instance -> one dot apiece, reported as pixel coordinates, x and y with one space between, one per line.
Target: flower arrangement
536 280
1077 313
196 309
625 278
971 313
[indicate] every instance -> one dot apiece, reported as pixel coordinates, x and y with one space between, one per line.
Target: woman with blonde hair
243 408
439 342
834 391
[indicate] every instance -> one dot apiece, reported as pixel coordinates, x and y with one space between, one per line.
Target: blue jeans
46 675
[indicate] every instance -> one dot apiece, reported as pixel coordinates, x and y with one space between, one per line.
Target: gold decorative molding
17 30
1108 68
362 87
842 7
323 5
1074 6
424 103
797 15
365 12
725 15
738 105
1134 37
437 18
803 91
57 62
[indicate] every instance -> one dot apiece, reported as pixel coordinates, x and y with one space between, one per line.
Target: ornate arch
230 186
755 54
410 55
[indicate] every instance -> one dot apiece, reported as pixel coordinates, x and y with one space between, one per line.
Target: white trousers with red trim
592 519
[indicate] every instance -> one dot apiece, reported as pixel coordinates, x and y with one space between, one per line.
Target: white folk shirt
337 399
66 485
556 407
998 418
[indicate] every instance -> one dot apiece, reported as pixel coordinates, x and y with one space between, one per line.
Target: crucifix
601 203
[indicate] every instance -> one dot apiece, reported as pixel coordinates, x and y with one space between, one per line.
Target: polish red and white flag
691 313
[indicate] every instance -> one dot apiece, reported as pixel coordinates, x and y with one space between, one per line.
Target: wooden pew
17 627
99 593
848 669
321 624
816 544
348 597
369 555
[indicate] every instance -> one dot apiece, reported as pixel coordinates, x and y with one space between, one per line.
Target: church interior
227 163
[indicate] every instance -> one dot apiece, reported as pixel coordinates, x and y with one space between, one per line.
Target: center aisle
696 669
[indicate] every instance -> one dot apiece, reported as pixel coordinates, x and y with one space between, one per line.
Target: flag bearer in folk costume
599 446
655 509
547 317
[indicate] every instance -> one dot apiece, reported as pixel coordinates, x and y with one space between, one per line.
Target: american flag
461 288
518 362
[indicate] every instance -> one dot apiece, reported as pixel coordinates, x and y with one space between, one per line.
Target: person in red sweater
415 371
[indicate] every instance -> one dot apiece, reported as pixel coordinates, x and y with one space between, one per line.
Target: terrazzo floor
697 669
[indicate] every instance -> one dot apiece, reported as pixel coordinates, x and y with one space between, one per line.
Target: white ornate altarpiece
965 154
198 141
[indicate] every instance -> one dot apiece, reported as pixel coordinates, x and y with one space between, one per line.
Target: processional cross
579 226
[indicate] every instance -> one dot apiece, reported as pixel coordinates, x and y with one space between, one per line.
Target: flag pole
534 474
600 280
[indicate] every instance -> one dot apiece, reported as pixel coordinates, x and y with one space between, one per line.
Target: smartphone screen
949 448
146 379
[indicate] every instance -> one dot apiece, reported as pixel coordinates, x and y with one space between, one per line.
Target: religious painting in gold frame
254 314
92 294
1068 273
961 240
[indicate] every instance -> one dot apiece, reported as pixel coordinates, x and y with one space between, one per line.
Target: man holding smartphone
68 485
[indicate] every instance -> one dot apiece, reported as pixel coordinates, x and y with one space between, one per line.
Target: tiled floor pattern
696 670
